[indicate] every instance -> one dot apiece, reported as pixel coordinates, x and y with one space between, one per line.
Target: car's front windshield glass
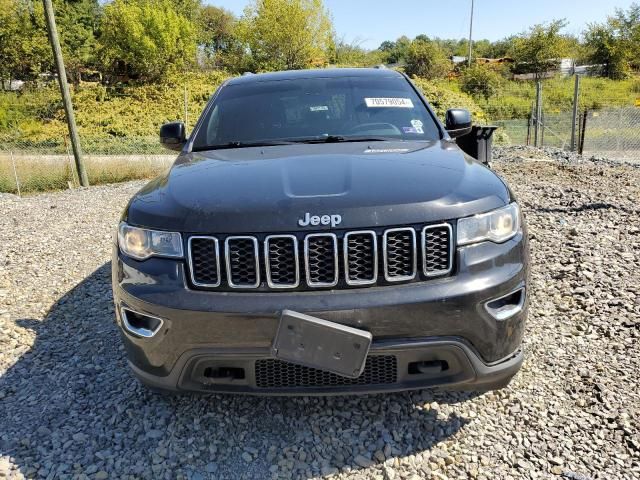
315 110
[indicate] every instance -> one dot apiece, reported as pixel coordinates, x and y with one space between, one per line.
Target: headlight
497 226
141 243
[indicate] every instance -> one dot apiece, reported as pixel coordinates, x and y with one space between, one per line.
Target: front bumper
442 320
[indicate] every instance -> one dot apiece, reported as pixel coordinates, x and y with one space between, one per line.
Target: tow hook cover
317 343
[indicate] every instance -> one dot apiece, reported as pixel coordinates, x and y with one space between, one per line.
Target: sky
370 22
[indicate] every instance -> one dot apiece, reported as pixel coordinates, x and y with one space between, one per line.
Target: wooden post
583 133
536 134
64 90
574 116
15 172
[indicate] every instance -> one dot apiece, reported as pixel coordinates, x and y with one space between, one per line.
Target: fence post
574 113
186 109
583 133
536 134
15 172
619 147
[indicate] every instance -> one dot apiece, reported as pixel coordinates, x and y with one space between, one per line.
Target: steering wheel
380 128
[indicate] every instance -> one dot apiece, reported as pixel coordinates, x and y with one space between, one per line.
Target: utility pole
64 89
470 35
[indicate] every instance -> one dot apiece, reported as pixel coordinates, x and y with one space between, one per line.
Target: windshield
315 110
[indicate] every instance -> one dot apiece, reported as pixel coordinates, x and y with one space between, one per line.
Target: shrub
480 80
442 99
427 60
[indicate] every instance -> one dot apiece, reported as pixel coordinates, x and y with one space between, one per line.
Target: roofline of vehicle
249 77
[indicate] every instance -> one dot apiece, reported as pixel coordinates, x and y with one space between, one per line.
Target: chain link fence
610 121
30 167
613 133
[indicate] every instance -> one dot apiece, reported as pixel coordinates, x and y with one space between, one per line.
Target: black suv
322 232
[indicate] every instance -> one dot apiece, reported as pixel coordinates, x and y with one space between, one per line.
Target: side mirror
173 135
458 122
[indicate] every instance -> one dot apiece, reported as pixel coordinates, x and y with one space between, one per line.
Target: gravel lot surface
68 407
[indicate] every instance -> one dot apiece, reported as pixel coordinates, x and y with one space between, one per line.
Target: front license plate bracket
321 344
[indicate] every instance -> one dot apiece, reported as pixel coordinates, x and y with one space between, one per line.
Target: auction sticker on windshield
389 102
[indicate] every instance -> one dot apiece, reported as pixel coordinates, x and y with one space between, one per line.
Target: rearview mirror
173 135
458 122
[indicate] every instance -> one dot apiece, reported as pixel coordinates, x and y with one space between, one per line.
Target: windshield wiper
343 138
237 144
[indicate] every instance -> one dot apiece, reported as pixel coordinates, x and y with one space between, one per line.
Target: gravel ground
68 407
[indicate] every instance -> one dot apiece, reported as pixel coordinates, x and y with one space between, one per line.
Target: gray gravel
68 407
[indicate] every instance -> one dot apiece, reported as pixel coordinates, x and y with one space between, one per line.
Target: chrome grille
399 254
204 261
281 261
273 373
360 258
243 267
321 260
437 250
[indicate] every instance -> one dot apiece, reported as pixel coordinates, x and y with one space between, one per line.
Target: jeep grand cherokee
321 232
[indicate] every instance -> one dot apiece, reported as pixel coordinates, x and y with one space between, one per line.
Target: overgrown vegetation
136 64
149 40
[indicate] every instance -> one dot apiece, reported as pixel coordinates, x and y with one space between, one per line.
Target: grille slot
360 258
321 259
437 250
241 254
204 261
274 373
399 254
281 261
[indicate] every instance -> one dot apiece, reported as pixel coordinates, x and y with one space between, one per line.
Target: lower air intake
273 373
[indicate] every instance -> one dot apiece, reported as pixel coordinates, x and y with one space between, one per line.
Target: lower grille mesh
273 373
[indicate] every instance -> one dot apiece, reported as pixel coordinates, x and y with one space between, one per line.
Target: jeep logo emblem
315 220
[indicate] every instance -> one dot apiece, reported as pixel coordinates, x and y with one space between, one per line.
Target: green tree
352 54
480 80
146 38
395 52
427 60
24 46
286 34
540 49
190 9
615 44
217 29
77 22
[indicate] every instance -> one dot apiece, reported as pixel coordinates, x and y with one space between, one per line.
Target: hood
268 189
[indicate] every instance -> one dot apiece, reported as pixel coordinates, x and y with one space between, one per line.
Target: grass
515 99
37 173
124 120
